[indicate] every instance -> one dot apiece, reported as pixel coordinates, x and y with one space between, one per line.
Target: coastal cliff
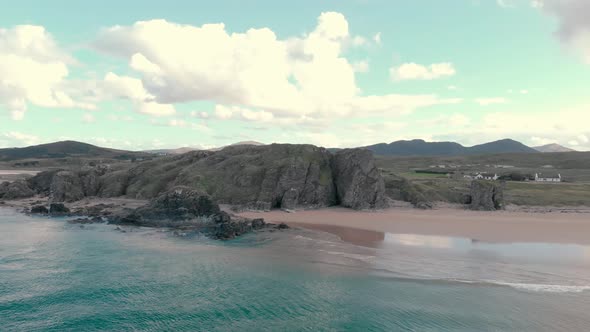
252 177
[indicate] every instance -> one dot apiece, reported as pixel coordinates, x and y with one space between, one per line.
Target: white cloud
361 66
258 116
115 86
537 4
16 138
574 25
539 141
290 78
414 71
377 38
224 112
33 70
560 126
583 138
490 101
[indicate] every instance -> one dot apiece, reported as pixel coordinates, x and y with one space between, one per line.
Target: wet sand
499 226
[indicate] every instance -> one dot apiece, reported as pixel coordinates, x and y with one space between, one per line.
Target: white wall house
485 176
546 178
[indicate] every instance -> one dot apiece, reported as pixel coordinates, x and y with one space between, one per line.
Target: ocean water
56 276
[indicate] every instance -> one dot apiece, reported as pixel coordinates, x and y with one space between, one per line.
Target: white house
486 176
539 177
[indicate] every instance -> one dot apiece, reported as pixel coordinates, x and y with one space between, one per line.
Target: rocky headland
185 190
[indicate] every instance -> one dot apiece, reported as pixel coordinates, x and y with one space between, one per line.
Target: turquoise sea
56 276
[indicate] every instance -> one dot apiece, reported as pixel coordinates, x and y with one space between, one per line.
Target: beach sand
368 227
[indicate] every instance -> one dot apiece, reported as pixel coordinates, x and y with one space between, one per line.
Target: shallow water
55 276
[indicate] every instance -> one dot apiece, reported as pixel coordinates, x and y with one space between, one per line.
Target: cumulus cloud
125 87
33 70
288 78
414 71
574 23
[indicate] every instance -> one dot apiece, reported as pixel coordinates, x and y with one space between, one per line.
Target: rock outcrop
58 209
177 206
486 195
66 186
15 190
183 207
358 181
253 177
70 186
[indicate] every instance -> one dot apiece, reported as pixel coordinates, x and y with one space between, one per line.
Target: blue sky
152 74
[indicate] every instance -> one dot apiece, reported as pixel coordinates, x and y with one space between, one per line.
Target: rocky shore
185 190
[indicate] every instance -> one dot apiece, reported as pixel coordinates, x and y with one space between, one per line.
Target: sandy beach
367 227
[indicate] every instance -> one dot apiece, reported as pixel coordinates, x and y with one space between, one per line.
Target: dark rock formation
178 205
39 209
41 183
15 190
185 208
487 195
254 177
359 184
188 208
84 221
233 228
66 186
58 209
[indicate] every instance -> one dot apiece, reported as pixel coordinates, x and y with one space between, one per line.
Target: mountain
419 147
238 144
553 148
65 149
501 146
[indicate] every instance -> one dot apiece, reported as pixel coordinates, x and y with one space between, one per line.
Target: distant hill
553 148
501 146
238 143
65 149
421 148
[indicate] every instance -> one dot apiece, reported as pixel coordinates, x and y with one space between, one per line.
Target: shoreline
360 227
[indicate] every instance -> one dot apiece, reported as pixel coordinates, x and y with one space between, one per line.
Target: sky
335 73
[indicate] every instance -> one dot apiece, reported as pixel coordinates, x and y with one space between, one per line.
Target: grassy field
573 166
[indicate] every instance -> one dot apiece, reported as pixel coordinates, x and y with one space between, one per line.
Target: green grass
574 168
540 194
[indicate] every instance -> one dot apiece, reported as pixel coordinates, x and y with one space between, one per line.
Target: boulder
41 183
234 227
183 207
487 195
39 209
66 186
15 190
180 206
58 209
358 181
